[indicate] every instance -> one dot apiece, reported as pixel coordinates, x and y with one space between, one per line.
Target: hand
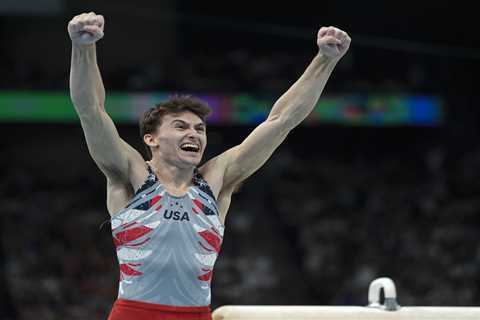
86 28
333 42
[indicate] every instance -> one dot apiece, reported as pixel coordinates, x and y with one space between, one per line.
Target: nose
192 134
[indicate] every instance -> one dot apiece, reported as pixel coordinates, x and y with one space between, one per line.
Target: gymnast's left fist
333 42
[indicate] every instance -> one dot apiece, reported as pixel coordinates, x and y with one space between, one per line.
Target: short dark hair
152 118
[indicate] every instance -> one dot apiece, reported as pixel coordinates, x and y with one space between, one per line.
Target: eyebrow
186 123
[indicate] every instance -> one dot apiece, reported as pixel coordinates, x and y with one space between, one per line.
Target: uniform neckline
177 197
151 171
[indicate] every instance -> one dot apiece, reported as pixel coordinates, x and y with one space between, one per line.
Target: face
179 140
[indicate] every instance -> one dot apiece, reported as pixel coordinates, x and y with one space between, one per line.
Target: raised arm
287 112
112 155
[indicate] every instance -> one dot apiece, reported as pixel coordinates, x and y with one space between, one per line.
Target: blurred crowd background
335 207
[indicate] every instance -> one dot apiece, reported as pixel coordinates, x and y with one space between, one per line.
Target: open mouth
190 147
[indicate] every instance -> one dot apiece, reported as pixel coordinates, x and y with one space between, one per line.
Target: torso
119 193
167 245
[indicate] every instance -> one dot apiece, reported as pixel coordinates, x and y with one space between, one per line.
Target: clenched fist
86 28
333 42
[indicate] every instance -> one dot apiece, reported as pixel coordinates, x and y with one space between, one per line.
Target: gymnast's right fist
86 28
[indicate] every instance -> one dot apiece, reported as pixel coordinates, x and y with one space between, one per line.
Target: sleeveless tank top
166 245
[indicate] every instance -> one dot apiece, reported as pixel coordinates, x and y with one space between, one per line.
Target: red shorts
137 310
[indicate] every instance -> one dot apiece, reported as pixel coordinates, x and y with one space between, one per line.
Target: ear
149 140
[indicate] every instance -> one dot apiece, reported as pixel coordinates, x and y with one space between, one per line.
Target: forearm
86 86
300 99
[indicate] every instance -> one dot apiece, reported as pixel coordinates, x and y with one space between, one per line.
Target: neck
171 175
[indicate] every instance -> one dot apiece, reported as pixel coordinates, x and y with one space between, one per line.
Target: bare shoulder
120 190
119 194
138 169
213 172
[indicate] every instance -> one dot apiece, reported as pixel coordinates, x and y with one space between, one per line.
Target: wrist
82 52
83 47
325 59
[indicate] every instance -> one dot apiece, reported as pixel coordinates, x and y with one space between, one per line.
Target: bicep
111 154
243 160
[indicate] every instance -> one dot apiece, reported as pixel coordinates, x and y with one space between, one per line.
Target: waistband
161 307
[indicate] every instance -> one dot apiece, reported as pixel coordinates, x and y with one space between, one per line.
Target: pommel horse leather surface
343 313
